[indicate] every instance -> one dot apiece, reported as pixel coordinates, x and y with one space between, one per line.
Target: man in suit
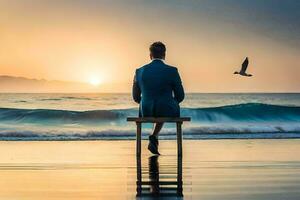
158 89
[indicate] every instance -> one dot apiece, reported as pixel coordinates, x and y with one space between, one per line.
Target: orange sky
83 40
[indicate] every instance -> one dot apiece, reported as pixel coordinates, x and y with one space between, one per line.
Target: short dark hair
157 50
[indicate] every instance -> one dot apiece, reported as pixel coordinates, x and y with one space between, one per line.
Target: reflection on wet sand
166 183
210 170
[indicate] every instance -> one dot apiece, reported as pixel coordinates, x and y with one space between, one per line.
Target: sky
102 42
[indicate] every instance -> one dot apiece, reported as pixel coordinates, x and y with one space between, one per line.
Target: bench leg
179 138
179 176
138 138
139 176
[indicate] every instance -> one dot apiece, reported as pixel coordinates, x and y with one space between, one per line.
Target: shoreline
208 136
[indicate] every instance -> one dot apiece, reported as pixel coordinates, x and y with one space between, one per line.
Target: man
158 89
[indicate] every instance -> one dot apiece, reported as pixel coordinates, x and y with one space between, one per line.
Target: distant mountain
26 85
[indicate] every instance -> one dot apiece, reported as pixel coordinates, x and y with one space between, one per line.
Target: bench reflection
156 186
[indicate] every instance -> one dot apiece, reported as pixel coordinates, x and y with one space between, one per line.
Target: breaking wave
251 120
240 112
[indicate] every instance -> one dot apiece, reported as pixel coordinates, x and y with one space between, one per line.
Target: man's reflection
156 186
154 175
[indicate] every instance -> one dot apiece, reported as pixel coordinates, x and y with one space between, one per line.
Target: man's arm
177 87
136 91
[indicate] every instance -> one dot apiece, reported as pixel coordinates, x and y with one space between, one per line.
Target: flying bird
242 72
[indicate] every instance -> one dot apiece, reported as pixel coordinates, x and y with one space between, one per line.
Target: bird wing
244 65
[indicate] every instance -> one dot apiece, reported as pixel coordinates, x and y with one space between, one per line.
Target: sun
95 81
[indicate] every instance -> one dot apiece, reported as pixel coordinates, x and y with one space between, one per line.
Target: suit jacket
158 89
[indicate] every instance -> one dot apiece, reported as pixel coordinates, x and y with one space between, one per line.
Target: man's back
158 89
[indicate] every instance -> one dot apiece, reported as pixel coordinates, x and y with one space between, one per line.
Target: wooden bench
140 120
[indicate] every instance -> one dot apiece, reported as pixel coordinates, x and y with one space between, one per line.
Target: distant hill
26 85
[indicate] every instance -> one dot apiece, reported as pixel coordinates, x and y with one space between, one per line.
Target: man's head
157 50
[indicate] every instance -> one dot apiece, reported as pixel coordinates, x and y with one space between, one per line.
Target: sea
81 116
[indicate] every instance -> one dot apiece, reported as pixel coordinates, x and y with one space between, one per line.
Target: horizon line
130 92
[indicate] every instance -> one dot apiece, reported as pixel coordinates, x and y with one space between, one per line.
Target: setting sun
95 81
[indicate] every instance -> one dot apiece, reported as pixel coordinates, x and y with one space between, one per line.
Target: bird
242 72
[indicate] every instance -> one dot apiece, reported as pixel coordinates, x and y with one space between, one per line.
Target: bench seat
140 120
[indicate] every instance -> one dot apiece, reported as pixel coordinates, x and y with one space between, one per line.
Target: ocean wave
64 98
42 115
250 112
21 101
77 98
189 133
51 99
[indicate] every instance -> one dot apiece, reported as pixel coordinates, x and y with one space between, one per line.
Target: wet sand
211 169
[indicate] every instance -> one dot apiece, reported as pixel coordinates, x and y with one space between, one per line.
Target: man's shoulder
171 67
142 67
167 67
